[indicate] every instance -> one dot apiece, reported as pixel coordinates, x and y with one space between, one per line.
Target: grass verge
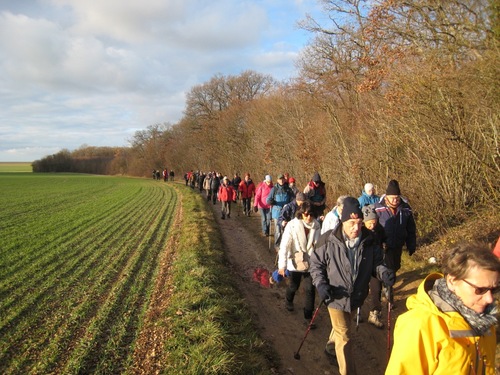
210 328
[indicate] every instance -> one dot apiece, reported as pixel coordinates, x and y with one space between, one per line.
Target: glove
324 293
255 209
388 278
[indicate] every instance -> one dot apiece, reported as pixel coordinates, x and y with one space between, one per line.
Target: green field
78 257
15 167
116 275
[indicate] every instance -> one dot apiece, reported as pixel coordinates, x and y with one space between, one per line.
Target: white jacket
331 221
294 239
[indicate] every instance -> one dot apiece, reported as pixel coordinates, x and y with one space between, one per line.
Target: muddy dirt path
248 251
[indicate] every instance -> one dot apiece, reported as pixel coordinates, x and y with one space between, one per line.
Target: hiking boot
228 216
375 319
288 305
222 217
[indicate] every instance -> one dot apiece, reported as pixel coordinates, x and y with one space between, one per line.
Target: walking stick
296 355
389 295
271 227
358 313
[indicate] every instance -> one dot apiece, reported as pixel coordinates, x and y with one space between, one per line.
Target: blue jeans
265 216
278 233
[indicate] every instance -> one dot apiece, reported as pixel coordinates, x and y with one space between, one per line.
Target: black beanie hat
393 188
316 177
351 209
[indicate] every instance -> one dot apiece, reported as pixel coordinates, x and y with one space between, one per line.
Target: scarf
304 241
352 247
479 322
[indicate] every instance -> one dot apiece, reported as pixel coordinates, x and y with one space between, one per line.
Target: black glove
255 209
324 293
388 278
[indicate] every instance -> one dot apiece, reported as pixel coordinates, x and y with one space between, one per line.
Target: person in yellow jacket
450 325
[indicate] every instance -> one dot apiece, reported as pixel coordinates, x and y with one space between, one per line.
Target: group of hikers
354 251
165 174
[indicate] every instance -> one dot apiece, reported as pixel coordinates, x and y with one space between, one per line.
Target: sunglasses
480 291
306 213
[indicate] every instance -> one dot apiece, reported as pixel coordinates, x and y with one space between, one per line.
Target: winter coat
400 228
294 190
294 239
330 265
226 193
214 183
236 182
277 198
430 341
378 234
247 189
331 221
288 212
316 194
206 183
201 179
365 199
261 194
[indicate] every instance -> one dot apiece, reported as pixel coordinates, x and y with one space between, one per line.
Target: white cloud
78 72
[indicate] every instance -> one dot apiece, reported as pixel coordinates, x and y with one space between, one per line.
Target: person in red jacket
247 191
226 195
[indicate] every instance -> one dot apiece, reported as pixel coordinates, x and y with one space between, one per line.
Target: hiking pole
296 355
389 295
271 226
358 313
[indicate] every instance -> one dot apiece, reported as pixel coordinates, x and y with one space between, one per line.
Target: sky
93 72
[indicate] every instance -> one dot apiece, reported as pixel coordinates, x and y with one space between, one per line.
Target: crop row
77 268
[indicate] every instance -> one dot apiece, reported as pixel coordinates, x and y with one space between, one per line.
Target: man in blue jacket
396 216
278 197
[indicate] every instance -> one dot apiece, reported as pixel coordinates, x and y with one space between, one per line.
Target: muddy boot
375 319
